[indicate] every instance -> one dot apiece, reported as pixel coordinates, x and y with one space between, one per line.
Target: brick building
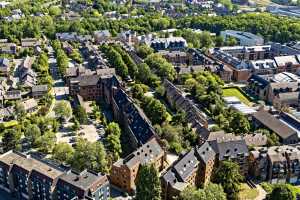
124 171
192 169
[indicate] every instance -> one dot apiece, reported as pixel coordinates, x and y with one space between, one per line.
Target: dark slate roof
189 162
205 153
186 165
260 80
231 148
137 121
143 155
275 125
87 80
84 180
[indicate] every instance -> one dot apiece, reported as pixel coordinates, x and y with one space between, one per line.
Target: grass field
247 193
229 92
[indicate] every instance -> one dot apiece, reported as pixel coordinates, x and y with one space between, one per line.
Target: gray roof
230 148
143 155
87 80
39 88
186 165
205 153
84 180
274 124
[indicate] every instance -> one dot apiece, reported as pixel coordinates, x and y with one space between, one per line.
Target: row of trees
207 90
61 57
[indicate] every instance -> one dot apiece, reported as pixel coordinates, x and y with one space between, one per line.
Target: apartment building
279 89
90 87
230 147
133 119
194 168
171 43
276 164
29 177
83 185
124 172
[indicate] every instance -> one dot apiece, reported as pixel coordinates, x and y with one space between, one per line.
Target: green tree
20 111
32 133
81 115
46 142
210 192
144 50
282 192
155 110
89 156
63 152
148 183
11 139
229 177
54 11
113 132
63 110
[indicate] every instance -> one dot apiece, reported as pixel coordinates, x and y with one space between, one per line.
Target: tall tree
63 110
229 177
11 139
81 115
32 133
89 156
148 183
63 152
113 132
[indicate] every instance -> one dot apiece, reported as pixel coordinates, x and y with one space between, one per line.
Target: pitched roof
143 155
274 124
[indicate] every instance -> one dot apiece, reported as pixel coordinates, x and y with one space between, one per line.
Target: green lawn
247 193
228 92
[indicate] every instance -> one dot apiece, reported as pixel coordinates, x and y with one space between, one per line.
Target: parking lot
89 132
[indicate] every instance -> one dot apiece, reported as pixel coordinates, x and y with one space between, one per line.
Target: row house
195 117
124 172
4 67
28 177
171 43
136 123
276 164
193 168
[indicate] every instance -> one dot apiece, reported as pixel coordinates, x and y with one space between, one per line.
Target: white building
243 38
